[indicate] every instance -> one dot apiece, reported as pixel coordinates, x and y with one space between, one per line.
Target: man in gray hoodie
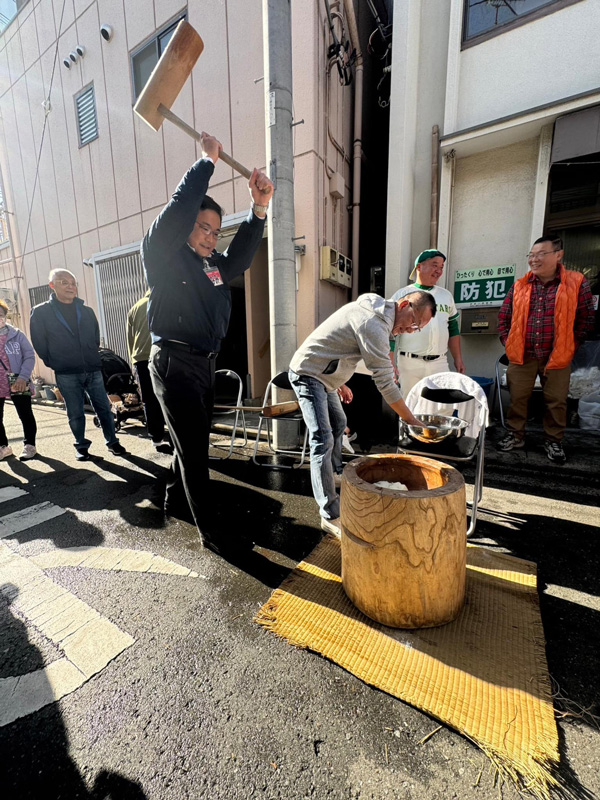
328 358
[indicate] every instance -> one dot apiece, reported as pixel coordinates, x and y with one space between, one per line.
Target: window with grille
145 58
485 18
8 11
39 294
87 120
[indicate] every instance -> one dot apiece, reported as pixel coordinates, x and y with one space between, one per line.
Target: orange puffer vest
565 309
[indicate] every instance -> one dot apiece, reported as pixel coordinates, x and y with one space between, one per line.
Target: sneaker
509 442
337 479
29 451
83 454
5 451
117 449
332 526
555 452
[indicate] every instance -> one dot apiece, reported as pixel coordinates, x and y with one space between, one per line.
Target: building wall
106 194
494 183
416 104
539 62
491 225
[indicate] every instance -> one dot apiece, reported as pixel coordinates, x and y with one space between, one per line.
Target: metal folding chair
451 394
228 407
280 381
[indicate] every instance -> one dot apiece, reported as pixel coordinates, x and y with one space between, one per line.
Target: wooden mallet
167 79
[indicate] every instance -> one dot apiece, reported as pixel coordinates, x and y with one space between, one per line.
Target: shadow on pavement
568 561
35 759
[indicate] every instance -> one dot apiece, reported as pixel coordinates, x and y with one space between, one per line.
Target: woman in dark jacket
17 359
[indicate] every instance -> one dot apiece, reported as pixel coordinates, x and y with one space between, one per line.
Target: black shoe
164 447
82 455
117 449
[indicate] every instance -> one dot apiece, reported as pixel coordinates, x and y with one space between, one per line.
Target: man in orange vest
545 316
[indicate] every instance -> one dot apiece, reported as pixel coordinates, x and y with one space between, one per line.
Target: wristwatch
259 209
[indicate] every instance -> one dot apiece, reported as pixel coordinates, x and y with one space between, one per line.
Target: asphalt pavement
199 701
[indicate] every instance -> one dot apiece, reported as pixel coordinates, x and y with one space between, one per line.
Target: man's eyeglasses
539 256
208 230
66 283
415 325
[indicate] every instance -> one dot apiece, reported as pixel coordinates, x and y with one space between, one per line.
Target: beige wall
492 206
106 194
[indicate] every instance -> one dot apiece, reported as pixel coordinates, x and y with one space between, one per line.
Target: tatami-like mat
484 674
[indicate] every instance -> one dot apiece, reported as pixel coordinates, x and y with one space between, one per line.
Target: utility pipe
435 184
357 142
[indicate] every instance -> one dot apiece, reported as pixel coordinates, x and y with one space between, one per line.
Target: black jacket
184 304
57 345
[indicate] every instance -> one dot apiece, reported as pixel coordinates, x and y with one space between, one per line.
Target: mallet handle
168 114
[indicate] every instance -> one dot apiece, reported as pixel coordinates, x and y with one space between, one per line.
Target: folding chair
452 394
266 417
228 407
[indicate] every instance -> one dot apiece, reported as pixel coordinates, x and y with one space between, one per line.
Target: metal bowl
436 428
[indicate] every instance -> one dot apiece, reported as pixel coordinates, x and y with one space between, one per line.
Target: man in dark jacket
65 335
188 313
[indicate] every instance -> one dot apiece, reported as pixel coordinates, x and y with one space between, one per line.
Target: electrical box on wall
336 267
479 320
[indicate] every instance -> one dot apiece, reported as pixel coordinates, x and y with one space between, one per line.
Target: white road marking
28 517
574 596
110 558
88 640
10 492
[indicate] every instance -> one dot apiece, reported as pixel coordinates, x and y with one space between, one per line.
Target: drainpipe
357 142
435 183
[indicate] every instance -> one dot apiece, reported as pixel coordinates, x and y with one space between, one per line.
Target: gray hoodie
361 329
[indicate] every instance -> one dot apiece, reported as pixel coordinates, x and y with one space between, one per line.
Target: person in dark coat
65 335
188 314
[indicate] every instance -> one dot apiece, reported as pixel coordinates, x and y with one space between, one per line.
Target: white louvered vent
87 121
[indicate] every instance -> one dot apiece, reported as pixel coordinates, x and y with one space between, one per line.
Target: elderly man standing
545 316
188 314
425 353
328 358
65 335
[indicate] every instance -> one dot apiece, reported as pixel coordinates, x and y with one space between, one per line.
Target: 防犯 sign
483 286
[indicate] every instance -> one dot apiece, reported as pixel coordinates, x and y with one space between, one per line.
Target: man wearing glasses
65 335
188 315
328 358
545 317
426 353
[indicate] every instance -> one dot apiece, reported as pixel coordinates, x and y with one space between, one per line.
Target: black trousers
184 386
23 405
155 422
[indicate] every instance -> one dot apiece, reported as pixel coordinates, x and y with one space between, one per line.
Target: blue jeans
73 389
325 419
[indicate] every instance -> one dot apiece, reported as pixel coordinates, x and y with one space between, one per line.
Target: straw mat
484 674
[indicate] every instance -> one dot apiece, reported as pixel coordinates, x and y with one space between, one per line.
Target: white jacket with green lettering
361 329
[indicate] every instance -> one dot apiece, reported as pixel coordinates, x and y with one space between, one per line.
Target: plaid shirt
539 337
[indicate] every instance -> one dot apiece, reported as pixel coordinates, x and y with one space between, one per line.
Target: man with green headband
425 352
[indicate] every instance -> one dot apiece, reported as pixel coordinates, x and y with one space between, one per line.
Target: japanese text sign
483 286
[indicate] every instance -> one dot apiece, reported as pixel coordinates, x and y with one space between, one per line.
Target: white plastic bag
589 412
